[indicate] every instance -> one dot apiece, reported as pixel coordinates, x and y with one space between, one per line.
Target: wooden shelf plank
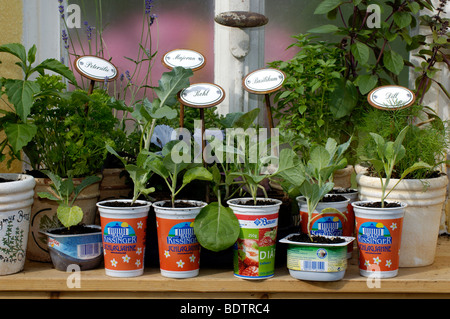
41 281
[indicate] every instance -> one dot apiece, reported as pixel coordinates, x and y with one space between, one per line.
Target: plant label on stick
265 81
202 95
188 59
391 97
95 68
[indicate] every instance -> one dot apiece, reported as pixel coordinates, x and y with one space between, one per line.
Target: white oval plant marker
202 95
264 81
188 59
95 68
391 97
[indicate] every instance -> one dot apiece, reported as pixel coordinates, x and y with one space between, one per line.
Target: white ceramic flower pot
16 199
425 200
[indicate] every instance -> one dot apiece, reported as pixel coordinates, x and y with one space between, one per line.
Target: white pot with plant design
16 198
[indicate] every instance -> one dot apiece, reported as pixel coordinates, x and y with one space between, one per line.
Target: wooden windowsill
39 280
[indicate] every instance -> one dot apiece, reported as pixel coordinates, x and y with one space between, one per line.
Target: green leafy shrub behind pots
72 128
426 140
316 92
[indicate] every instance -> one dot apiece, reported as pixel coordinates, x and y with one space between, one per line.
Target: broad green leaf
19 135
216 227
56 180
69 216
247 119
164 112
326 6
361 52
402 19
343 99
113 152
57 67
414 167
157 166
230 118
393 62
197 173
171 83
366 83
85 183
32 54
327 28
15 49
20 94
47 196
66 188
319 158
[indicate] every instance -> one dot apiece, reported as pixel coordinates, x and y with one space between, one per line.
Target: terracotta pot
114 184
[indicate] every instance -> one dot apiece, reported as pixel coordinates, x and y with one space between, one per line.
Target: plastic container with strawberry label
254 251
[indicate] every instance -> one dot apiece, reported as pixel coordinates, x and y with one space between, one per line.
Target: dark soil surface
304 238
333 198
3 180
75 230
378 205
259 202
343 191
433 174
122 204
181 204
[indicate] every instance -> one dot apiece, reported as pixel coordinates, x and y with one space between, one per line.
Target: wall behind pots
11 14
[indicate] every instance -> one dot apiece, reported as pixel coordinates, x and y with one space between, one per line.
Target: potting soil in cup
254 251
378 240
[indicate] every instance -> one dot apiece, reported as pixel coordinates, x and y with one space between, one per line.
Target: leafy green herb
22 93
65 194
385 158
312 178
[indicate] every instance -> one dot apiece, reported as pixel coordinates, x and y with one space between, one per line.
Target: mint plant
66 193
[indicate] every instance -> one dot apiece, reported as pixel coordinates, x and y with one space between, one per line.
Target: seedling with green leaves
139 172
386 155
170 166
216 227
146 114
313 178
65 194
